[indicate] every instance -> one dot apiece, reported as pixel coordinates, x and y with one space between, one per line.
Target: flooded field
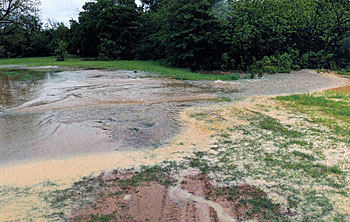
79 112
63 126
72 113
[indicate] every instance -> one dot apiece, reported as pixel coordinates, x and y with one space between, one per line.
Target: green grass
331 109
103 218
24 74
276 127
147 66
343 72
282 159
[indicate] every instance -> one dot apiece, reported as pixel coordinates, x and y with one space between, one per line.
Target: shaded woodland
250 35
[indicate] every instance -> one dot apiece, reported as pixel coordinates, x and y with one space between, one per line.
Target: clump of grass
102 218
304 156
156 173
90 187
225 99
252 202
275 126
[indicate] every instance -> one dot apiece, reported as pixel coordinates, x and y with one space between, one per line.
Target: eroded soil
193 199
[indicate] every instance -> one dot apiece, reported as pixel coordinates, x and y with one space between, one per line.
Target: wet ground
103 120
80 112
90 111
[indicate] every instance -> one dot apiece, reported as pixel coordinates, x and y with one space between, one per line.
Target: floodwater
83 112
73 113
71 124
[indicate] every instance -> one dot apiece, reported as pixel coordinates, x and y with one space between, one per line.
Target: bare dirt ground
188 201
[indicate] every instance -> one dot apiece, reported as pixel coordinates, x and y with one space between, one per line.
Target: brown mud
345 89
193 199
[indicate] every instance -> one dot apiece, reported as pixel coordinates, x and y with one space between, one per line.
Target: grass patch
149 174
304 156
147 66
87 188
24 74
271 124
226 99
102 218
289 162
252 203
331 109
343 72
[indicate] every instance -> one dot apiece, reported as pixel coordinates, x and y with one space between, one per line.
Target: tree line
249 35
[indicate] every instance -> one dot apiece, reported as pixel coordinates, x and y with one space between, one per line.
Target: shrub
226 62
284 63
273 64
2 52
108 50
61 51
103 57
270 69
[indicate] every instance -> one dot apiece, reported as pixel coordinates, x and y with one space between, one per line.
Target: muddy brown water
90 111
80 112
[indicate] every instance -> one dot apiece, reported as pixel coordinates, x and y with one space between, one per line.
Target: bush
103 57
284 63
2 52
273 64
61 51
108 50
270 69
317 60
226 62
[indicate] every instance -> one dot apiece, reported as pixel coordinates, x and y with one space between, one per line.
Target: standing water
74 113
79 112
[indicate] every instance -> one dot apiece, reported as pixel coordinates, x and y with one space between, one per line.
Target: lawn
146 66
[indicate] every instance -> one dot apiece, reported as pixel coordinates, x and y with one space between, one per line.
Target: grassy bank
146 66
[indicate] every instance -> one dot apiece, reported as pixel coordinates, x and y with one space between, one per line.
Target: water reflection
11 91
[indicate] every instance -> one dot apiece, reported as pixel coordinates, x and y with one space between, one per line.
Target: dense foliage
255 35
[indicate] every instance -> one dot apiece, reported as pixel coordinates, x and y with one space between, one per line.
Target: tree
11 11
108 23
117 29
61 51
190 34
25 38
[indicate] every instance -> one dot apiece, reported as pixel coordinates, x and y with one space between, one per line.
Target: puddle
13 92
